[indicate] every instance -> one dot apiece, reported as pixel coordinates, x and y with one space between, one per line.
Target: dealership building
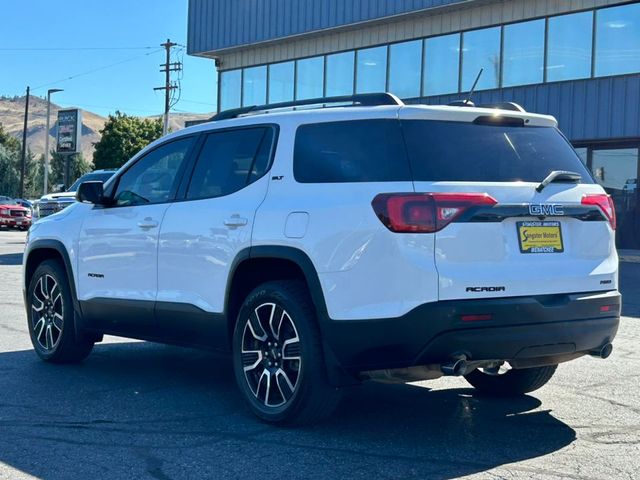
578 60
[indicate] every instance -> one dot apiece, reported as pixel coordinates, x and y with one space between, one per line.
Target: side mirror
90 192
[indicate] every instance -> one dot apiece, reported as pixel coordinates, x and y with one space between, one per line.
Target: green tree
122 137
9 178
8 141
34 175
9 162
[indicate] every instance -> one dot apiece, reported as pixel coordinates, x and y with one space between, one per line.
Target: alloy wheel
47 313
271 355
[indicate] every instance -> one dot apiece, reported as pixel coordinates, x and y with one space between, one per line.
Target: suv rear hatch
519 239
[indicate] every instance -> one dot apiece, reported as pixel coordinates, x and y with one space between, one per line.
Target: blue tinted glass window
441 64
254 86
481 49
281 82
310 78
405 65
371 74
569 47
618 40
523 56
230 83
340 71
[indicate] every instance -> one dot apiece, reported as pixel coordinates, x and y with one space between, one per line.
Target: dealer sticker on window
540 237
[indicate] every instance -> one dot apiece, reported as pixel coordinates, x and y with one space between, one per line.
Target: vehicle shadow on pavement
136 409
11 259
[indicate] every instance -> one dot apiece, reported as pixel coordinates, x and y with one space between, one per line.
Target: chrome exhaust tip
603 352
456 368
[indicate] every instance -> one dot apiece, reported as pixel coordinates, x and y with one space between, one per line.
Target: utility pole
24 143
46 140
167 68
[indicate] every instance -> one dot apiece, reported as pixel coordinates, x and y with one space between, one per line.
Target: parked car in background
55 202
14 215
25 203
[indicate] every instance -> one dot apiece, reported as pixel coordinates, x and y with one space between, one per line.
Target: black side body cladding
529 331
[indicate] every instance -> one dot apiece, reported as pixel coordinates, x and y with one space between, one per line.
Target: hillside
12 118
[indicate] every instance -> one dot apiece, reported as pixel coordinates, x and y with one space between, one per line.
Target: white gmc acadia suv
326 246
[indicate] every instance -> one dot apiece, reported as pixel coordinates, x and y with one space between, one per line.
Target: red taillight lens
605 202
424 212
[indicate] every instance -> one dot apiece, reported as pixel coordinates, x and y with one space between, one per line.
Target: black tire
50 309
512 383
312 397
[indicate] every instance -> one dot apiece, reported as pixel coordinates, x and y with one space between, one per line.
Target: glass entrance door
617 171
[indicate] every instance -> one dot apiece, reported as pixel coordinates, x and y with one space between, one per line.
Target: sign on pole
69 131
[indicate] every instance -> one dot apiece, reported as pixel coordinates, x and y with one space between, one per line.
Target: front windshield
90 177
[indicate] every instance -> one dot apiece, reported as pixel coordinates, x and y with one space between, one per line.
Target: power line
197 102
97 69
121 108
69 49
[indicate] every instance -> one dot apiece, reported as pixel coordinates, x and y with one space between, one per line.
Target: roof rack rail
461 103
504 106
362 99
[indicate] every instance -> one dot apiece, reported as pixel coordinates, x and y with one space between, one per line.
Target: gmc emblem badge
545 210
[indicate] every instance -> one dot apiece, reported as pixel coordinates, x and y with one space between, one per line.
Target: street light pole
46 139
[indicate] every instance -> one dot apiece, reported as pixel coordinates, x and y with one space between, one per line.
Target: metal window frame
460 56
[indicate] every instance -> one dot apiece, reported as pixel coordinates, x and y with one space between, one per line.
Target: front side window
371 70
353 151
618 40
569 44
481 49
523 53
230 160
153 178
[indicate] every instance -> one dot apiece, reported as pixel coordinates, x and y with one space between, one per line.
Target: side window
230 160
352 151
153 178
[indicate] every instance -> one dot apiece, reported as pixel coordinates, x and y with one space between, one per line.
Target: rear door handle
147 224
236 221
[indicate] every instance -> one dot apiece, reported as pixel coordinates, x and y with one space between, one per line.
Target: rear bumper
524 330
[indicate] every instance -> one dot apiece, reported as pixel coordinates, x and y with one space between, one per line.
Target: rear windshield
466 152
386 150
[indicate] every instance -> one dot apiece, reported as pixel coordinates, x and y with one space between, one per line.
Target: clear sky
97 34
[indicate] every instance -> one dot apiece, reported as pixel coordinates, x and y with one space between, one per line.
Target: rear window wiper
559 176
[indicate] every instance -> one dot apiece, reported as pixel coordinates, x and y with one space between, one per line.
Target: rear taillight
605 202
425 212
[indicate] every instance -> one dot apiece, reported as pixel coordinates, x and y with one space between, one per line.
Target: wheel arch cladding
42 250
260 264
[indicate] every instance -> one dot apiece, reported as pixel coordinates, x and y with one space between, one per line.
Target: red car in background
13 215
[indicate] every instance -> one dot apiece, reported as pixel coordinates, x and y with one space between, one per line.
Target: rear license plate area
540 237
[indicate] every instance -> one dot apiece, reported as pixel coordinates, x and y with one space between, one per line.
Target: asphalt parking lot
139 410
